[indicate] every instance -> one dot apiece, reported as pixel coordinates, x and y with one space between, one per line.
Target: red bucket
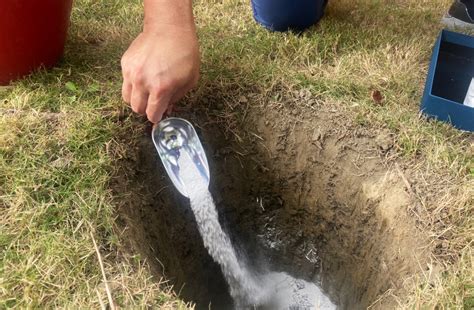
32 34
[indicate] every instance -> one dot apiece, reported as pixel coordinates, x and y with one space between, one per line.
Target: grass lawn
63 130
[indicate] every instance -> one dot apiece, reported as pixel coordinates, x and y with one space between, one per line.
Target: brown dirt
300 188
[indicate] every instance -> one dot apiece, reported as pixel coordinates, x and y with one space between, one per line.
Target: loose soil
300 188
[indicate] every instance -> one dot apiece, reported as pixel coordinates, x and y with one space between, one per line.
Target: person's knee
283 15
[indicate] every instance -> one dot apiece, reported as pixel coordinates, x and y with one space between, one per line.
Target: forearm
163 14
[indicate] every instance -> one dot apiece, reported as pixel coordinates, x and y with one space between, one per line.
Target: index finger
156 107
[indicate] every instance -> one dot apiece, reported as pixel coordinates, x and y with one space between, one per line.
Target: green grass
59 140
56 138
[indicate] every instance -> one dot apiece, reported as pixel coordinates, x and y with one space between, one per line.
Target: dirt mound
309 193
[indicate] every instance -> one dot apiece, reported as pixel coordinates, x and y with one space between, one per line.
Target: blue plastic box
449 76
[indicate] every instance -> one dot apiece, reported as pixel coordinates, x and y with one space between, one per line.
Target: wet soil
300 188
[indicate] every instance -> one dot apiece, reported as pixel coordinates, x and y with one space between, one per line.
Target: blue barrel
283 15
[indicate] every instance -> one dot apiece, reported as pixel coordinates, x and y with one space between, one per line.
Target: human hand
159 68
